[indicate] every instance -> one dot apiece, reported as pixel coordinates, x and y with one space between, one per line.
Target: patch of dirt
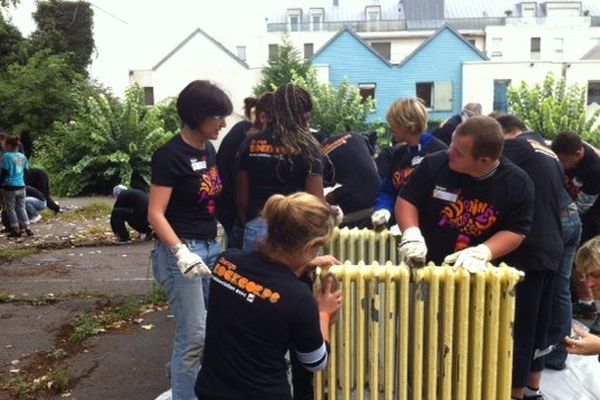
49 270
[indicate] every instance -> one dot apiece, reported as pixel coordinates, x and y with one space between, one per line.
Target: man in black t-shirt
582 166
348 163
471 205
131 207
539 255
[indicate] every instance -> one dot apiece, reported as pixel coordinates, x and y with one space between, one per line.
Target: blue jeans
254 232
562 312
14 201
33 205
187 299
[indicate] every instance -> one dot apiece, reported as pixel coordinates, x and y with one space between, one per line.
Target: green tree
554 107
65 27
7 3
105 144
338 109
11 43
36 94
282 68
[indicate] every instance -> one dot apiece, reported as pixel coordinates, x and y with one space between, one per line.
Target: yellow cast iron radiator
430 333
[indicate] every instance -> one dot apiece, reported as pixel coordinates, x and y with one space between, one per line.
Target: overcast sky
136 34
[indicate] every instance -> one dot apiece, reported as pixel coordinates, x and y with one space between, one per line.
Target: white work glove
190 264
412 249
339 216
380 218
473 259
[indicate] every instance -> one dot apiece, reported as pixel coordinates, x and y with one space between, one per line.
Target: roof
354 10
358 38
407 58
593 53
437 33
198 31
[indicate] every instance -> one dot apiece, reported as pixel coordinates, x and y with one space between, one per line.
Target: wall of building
478 77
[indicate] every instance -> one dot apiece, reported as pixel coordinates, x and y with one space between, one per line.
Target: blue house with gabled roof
433 71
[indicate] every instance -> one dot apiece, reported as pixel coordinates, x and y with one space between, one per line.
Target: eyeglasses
219 117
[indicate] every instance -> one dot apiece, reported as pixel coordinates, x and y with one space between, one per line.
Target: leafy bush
554 107
338 109
106 144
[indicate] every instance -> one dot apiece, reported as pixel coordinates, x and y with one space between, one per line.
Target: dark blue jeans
560 322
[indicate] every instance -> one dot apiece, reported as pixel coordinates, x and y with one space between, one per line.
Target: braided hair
291 108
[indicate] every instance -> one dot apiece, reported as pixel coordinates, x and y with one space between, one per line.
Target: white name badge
198 165
444 195
416 160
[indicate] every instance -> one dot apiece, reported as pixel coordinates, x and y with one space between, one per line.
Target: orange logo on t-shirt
225 270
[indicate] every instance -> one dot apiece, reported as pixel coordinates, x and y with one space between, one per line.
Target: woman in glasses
185 184
259 309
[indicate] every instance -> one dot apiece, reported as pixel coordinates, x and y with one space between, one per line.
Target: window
241 52
496 50
308 50
437 96
471 42
273 51
500 98
528 10
373 13
294 19
384 49
367 90
557 9
593 92
336 2
316 19
558 46
536 44
149 95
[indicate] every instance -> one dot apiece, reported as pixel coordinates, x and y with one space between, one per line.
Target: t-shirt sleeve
307 340
163 173
521 214
418 187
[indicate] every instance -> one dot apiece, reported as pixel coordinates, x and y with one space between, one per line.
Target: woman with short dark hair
181 210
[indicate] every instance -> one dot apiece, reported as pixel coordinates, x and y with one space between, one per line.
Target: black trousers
532 319
120 216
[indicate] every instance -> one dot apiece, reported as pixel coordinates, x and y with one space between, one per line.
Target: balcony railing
558 21
329 26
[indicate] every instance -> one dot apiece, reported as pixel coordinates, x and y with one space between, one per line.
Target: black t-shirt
542 248
446 129
457 211
384 160
350 165
135 200
272 170
258 309
585 177
226 165
193 175
407 158
30 191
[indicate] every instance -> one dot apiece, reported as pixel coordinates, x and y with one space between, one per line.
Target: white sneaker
36 219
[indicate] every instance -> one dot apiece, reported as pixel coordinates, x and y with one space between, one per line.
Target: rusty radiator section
429 333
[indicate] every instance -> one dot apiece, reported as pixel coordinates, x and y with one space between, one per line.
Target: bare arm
314 185
243 193
503 242
407 215
158 201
